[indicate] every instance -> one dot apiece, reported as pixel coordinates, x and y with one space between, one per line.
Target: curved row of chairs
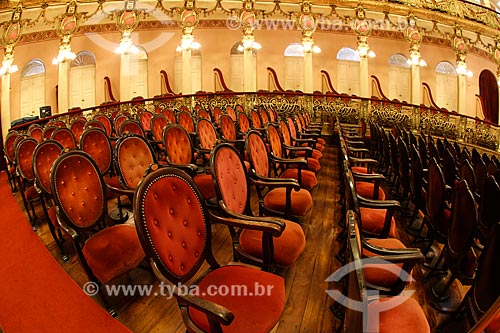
459 213
177 190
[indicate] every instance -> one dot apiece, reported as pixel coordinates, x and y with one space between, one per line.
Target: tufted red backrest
158 123
146 120
257 152
133 156
130 126
206 134
65 137
274 139
9 145
174 233
94 123
105 122
24 157
119 120
36 132
47 131
231 113
186 121
77 127
436 191
203 114
272 115
299 124
217 113
78 189
285 133
169 114
95 142
291 128
227 128
256 122
231 178
177 144
243 122
264 116
43 158
56 123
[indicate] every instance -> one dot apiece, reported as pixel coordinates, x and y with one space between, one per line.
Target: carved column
460 48
247 19
307 23
414 36
362 28
188 19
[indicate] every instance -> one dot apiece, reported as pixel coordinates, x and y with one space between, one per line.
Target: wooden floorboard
307 306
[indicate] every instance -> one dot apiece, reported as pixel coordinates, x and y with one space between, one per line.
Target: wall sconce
462 69
249 45
64 55
364 51
126 45
8 67
310 47
417 61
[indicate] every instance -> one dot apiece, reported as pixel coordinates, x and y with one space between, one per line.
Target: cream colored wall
215 51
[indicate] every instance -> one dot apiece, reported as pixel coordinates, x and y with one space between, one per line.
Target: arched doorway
82 80
32 88
399 77
488 90
348 71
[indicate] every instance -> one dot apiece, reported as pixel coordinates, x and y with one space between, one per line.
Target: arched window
82 80
32 88
446 85
399 77
236 76
294 67
348 71
195 71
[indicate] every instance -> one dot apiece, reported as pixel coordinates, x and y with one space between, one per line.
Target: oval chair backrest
132 157
230 176
206 134
257 153
243 122
256 121
186 121
291 127
481 172
47 132
78 189
227 127
65 137
217 112
9 147
146 120
36 132
177 144
203 114
106 123
467 173
169 114
158 123
264 116
118 121
24 157
174 233
130 126
231 113
436 191
285 133
44 157
94 123
95 142
77 127
489 214
56 123
274 139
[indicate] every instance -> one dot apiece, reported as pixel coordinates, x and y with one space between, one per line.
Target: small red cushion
313 164
301 201
494 325
287 248
322 141
309 180
359 169
405 317
367 190
31 193
373 221
113 251
205 184
251 313
316 154
377 274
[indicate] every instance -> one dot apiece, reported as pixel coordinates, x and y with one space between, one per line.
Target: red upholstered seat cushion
205 184
313 164
316 154
373 221
113 251
359 169
251 313
405 317
318 146
287 248
301 201
322 141
366 190
494 325
309 180
31 193
379 275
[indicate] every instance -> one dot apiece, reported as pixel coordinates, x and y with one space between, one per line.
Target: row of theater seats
177 190
463 219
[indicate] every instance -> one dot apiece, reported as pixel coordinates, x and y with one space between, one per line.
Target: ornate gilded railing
349 109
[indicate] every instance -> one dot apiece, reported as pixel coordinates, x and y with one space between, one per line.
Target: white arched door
32 88
138 70
348 71
446 86
399 78
195 71
82 80
294 67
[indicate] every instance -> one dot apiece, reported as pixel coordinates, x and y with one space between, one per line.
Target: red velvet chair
169 114
277 196
26 176
130 126
229 133
243 123
231 113
145 120
176 236
44 156
180 154
233 194
207 138
296 168
119 119
77 127
375 314
158 123
47 131
256 121
288 130
65 137
94 123
36 132
303 134
10 155
80 195
106 122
